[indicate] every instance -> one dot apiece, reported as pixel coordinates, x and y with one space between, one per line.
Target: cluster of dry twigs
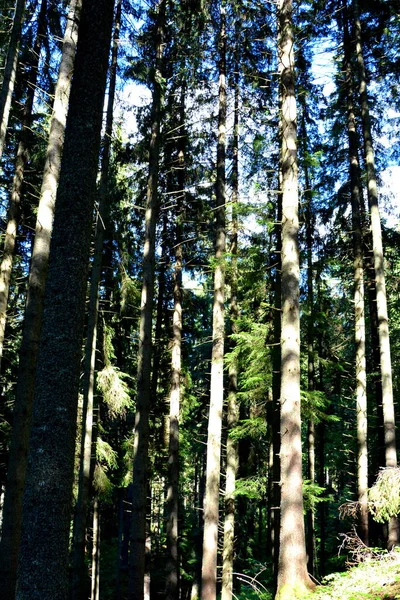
358 552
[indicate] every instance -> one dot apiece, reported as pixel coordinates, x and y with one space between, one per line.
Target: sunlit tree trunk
381 301
12 511
293 579
143 400
232 450
21 162
359 305
84 483
43 559
211 500
172 584
95 584
10 71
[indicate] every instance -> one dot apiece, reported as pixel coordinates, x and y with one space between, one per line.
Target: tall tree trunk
10 71
381 301
172 584
43 561
211 500
293 579
22 161
95 586
359 307
12 510
143 400
82 505
232 450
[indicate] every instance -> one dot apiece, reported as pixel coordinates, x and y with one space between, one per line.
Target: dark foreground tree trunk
18 453
43 563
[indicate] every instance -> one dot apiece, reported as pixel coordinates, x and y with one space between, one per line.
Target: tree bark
21 162
10 71
211 500
359 305
143 401
12 511
95 585
173 571
85 471
381 300
293 579
232 450
43 561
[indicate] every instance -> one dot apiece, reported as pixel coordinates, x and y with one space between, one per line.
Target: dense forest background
199 296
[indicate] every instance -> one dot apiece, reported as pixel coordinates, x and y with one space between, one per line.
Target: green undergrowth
376 579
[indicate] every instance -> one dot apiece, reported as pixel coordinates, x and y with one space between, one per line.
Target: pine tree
43 561
293 579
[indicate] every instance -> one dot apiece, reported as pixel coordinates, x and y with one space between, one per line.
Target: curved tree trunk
43 560
84 483
143 400
12 511
10 71
381 301
211 500
293 579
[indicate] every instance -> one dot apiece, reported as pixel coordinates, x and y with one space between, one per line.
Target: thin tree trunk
172 584
85 471
95 586
293 579
43 561
10 71
359 307
381 300
22 161
12 511
143 400
232 449
211 500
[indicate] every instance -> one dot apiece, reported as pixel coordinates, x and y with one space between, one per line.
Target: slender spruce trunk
23 155
18 453
10 71
143 400
232 449
85 471
95 583
211 500
293 579
381 299
173 571
359 305
43 560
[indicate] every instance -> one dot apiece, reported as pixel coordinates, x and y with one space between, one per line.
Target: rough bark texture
211 500
293 579
381 301
10 71
81 510
43 564
12 511
95 575
143 400
359 304
232 450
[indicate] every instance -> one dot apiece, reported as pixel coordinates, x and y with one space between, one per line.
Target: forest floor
374 579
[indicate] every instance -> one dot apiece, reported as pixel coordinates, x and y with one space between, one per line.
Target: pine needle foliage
384 495
114 389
